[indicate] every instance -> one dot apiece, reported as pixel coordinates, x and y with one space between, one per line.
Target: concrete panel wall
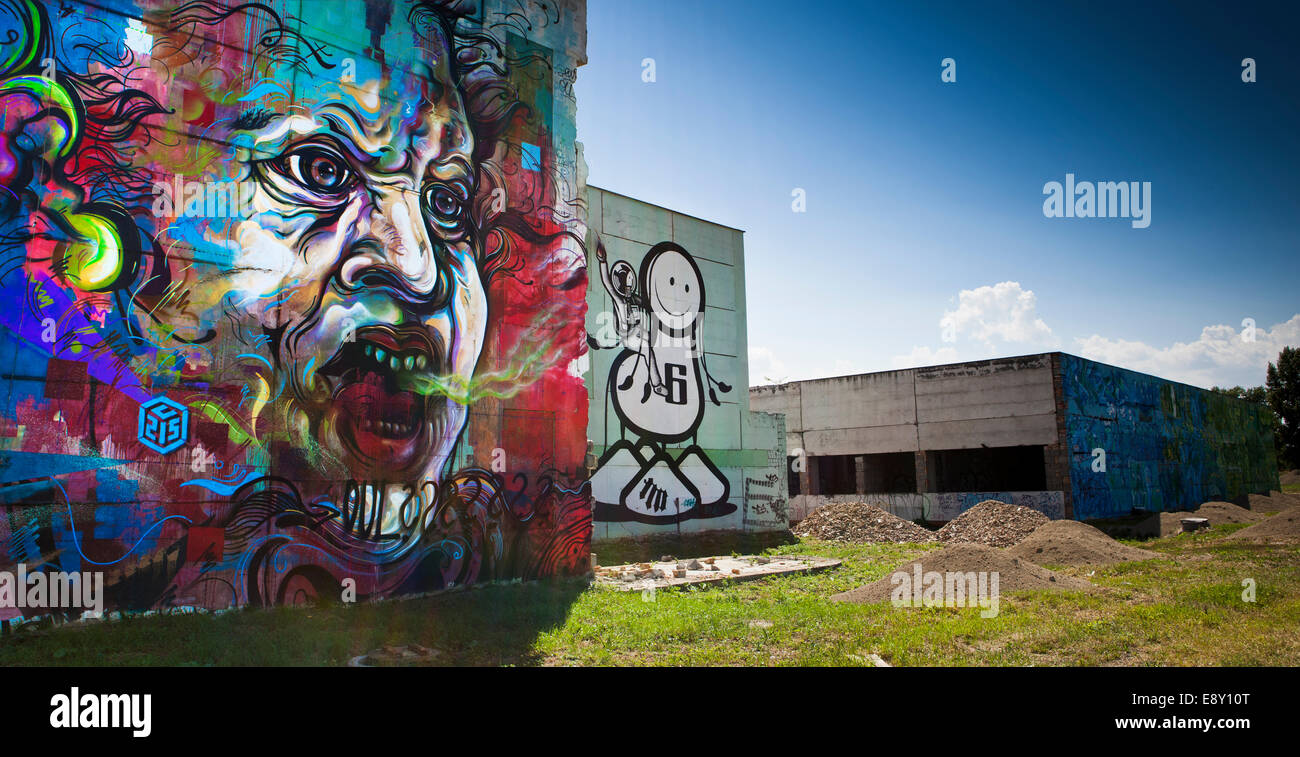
875 399
678 449
992 389
993 432
995 403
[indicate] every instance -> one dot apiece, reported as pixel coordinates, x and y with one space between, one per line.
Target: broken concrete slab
709 570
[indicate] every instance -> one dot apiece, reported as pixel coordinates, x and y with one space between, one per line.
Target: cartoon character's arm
704 365
620 319
622 305
604 268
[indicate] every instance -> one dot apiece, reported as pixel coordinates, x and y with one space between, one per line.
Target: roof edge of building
989 361
664 207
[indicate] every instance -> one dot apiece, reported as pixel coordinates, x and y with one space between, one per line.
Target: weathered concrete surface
705 570
995 403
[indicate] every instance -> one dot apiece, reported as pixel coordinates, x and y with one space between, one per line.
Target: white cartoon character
658 386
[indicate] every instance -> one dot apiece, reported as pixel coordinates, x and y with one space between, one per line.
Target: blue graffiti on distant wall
1167 446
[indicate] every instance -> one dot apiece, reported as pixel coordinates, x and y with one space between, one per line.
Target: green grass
1185 608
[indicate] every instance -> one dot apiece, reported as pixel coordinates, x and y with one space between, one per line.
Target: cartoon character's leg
650 372
627 381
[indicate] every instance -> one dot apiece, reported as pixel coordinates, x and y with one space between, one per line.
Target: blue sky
925 198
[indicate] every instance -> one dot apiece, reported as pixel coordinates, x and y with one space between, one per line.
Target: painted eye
318 170
445 203
446 207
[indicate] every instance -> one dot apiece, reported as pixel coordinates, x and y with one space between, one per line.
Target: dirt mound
1262 504
994 523
1218 513
1293 499
1014 573
1283 528
1069 542
1290 477
860 523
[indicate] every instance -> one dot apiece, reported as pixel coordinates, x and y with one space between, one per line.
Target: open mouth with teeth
379 416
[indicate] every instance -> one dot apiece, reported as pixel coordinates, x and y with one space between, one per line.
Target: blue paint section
23 547
23 466
530 157
127 524
109 487
1168 446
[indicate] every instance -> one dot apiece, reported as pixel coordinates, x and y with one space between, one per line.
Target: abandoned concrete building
1070 437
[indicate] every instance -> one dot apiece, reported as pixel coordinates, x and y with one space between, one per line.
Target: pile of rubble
993 523
667 567
860 523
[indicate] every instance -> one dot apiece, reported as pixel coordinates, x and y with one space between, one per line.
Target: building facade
293 297
1069 437
676 446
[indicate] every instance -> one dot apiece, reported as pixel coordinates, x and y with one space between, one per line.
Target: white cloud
1220 356
764 368
990 321
1000 313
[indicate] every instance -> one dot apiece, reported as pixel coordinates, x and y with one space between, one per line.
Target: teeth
394 361
385 428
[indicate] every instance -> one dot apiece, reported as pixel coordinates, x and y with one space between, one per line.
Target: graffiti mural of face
354 276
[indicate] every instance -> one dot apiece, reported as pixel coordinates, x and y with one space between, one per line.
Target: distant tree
1256 394
1253 394
1283 389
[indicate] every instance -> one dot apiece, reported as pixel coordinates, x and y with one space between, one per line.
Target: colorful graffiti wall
1164 446
677 447
293 296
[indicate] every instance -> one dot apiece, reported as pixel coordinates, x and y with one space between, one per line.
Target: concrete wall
363 373
995 403
678 448
1166 446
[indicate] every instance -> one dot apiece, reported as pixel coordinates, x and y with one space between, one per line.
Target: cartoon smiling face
673 287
